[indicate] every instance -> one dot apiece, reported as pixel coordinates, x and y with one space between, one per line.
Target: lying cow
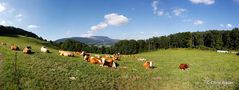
108 62
183 66
77 53
148 65
66 53
91 59
27 50
116 56
44 49
3 43
14 47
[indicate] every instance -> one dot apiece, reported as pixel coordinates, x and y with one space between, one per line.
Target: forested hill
12 31
212 39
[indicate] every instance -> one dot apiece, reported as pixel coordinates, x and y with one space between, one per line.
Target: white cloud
115 19
99 26
32 26
155 7
156 11
18 16
229 25
3 22
112 19
2 7
179 11
206 2
198 22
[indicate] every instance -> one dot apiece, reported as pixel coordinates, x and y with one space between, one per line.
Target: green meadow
208 70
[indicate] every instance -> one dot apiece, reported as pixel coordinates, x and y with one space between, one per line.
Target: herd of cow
105 60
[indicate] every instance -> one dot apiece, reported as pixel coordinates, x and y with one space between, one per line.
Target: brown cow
148 65
94 60
14 47
3 43
66 53
91 59
27 50
183 66
116 56
108 62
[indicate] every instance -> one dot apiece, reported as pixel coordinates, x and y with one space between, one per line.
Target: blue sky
119 19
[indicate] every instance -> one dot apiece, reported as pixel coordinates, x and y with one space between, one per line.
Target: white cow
222 51
44 49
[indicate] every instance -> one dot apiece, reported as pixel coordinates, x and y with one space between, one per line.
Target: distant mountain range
93 40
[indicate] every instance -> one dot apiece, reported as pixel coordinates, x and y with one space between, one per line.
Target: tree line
208 40
12 31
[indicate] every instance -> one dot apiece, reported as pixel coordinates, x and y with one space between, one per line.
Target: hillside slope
51 71
94 40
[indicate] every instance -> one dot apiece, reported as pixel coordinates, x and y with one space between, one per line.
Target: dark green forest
207 40
12 31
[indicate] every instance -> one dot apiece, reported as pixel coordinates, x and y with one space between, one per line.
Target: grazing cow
66 53
183 66
14 47
44 49
27 50
148 65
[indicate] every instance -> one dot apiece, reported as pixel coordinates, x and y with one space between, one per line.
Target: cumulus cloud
179 11
32 26
2 7
115 19
206 2
198 22
112 19
99 26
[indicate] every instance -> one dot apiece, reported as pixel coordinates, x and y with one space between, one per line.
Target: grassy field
208 70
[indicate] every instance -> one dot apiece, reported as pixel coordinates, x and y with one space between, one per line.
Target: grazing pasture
208 70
